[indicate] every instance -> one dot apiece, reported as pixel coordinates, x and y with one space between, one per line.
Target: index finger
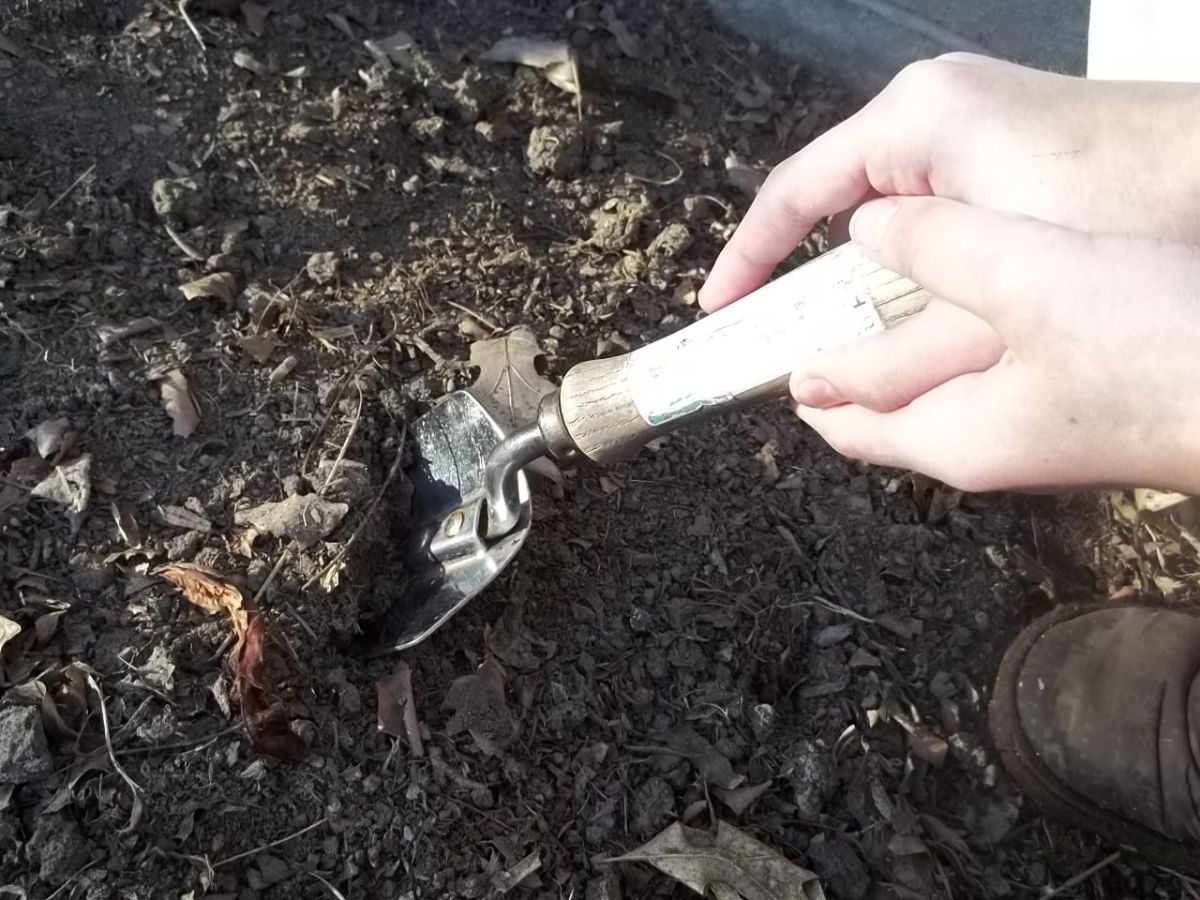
826 177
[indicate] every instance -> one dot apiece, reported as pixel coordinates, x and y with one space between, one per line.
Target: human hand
1093 156
1055 358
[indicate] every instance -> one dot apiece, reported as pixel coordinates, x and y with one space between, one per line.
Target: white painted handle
739 354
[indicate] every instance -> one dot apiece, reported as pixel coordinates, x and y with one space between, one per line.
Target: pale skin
1058 222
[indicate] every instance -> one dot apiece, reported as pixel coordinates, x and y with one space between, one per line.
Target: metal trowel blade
447 557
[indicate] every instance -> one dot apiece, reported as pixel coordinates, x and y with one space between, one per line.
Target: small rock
671 242
271 869
184 546
653 806
808 765
24 755
428 129
762 720
323 267
839 868
555 150
304 518
90 575
351 481
371 784
182 202
831 635
58 847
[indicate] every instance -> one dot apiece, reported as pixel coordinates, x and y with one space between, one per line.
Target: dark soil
737 599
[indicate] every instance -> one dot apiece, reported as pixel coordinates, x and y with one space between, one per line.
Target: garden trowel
471 499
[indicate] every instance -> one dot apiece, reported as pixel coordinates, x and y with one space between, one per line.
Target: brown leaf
265 718
741 799
396 710
508 384
177 401
554 58
208 590
221 285
46 626
727 864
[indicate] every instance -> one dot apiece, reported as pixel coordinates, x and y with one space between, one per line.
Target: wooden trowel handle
739 355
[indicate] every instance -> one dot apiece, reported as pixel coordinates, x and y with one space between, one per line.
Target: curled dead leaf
8 630
392 49
553 58
221 285
177 400
265 718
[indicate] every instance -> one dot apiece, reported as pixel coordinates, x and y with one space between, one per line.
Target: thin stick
135 811
1083 876
271 575
341 554
181 745
70 881
74 184
188 250
183 4
659 182
478 316
336 893
283 840
337 462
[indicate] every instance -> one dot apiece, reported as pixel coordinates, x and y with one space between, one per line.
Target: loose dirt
738 605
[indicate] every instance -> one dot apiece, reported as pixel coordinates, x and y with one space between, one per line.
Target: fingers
953 433
826 177
1004 268
889 370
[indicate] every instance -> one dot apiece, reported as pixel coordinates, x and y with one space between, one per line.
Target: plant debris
726 864
177 400
304 518
480 708
397 710
266 721
553 59
219 285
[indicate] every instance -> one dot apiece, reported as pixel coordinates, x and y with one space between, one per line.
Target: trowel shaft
606 409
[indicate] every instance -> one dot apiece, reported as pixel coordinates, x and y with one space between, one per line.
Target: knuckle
934 81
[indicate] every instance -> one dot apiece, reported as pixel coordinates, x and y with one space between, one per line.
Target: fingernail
817 393
870 221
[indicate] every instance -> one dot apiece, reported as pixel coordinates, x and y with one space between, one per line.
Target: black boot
1096 714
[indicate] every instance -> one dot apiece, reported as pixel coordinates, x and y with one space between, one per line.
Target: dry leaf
48 436
177 401
258 347
111 334
221 285
46 626
509 385
179 517
554 58
628 44
243 59
339 22
210 591
480 708
731 863
8 630
741 799
69 485
396 710
710 764
256 17
265 719
391 49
